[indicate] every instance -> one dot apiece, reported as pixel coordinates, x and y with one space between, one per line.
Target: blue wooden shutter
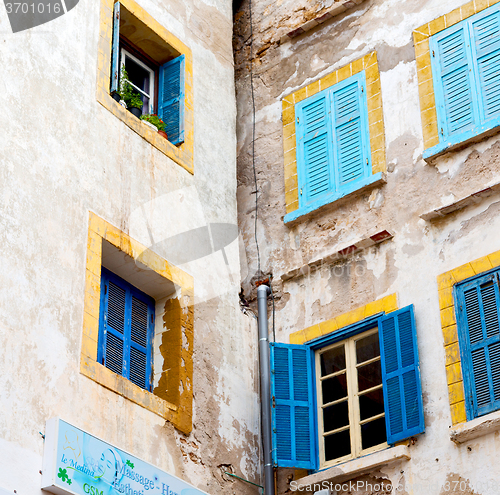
115 50
486 49
480 343
350 131
126 330
171 99
314 142
293 413
404 412
453 80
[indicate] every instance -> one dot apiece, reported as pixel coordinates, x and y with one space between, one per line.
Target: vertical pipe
265 388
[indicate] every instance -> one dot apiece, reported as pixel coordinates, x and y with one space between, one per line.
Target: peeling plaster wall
63 154
409 263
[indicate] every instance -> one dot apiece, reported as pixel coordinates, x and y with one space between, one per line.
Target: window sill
357 187
182 154
462 140
358 467
476 428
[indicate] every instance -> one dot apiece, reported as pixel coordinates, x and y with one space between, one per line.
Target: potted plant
129 95
155 121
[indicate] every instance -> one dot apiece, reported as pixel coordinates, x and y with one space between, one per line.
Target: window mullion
321 426
352 388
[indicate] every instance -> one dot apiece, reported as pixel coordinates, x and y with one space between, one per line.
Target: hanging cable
253 139
272 298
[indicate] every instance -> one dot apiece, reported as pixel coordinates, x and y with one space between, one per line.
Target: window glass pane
367 348
371 404
337 445
334 388
369 375
333 360
335 416
137 74
373 433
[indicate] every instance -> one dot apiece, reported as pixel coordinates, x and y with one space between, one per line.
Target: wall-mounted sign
78 463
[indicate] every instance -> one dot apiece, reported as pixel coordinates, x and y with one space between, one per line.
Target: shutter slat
348 133
480 330
116 308
138 367
114 353
486 46
171 98
139 330
293 414
127 328
456 81
404 413
312 132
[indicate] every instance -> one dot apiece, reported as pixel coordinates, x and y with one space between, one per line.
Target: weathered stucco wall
407 265
63 155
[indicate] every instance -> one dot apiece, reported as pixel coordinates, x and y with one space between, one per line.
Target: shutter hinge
367 161
301 192
274 402
442 132
105 289
151 318
274 430
297 120
433 53
117 15
362 89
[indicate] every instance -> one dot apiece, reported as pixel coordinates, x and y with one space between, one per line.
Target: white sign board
77 463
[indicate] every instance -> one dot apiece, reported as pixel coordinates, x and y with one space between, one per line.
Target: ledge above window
356 187
358 467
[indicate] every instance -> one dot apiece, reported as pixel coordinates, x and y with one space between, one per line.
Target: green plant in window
127 92
152 118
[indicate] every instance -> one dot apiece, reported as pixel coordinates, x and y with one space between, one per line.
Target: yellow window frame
182 154
369 64
172 397
424 70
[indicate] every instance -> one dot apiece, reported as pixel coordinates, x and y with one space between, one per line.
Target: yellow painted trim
386 304
180 411
445 282
375 120
182 154
421 37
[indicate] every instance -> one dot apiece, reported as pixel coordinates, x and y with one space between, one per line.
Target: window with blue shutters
158 78
465 60
478 303
333 143
126 328
344 396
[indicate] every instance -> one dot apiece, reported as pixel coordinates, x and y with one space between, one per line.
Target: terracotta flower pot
163 133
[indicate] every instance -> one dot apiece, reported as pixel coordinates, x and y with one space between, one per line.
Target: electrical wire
253 138
274 313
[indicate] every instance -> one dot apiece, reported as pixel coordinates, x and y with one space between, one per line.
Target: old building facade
95 204
376 168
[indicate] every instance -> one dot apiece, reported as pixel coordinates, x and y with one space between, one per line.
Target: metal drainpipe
265 388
